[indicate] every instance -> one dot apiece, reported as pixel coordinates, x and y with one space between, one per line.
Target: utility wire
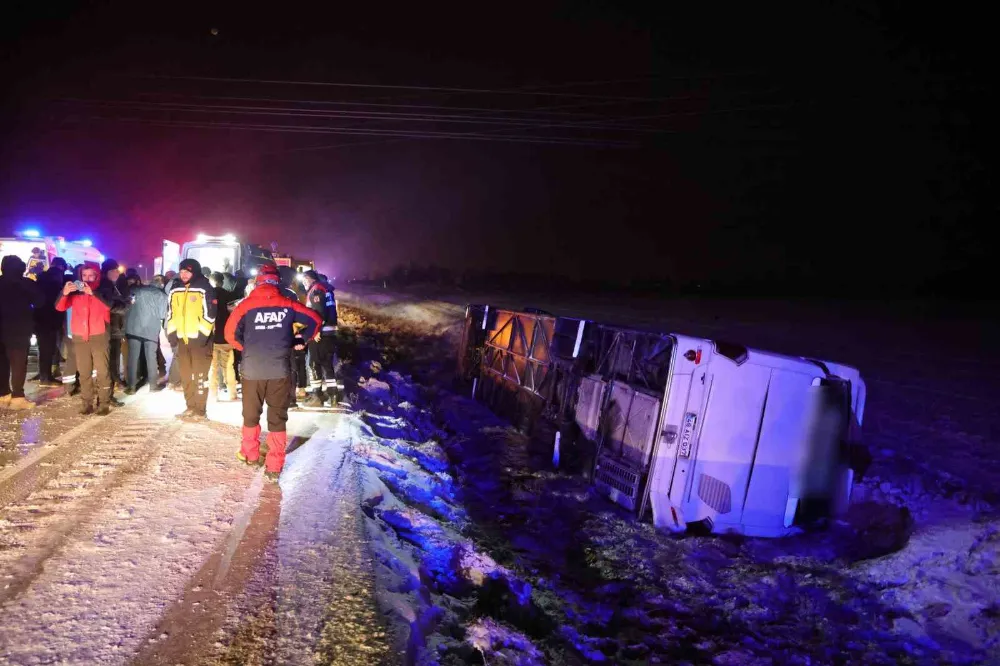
433 89
549 110
355 131
610 124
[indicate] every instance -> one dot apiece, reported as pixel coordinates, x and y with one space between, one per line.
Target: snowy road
140 539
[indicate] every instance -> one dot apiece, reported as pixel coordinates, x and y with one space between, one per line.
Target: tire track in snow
325 607
132 549
34 529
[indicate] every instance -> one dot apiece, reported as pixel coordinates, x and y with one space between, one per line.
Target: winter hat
59 262
268 273
192 265
90 266
132 274
109 265
312 275
12 266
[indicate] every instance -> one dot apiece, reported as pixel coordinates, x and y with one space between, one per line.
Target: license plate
687 434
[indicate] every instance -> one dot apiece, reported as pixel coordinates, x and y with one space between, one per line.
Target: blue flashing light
31 233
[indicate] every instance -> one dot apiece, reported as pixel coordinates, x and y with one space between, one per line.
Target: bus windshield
222 258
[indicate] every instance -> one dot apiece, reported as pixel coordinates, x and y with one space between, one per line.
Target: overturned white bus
708 434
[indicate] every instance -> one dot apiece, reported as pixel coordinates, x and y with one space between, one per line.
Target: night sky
847 149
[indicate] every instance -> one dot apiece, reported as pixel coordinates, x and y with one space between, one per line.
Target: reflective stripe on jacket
191 310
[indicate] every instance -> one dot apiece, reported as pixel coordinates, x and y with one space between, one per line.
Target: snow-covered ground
414 526
491 553
138 538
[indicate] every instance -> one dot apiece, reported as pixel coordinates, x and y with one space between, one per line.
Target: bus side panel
778 451
725 447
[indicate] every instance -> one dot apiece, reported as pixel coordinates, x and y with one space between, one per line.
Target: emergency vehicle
38 251
297 264
226 254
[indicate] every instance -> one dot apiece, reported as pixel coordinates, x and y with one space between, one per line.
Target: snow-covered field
413 526
490 553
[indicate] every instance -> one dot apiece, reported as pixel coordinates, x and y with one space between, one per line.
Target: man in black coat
115 291
19 296
48 322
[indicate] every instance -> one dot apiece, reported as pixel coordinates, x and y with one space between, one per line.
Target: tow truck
37 250
226 253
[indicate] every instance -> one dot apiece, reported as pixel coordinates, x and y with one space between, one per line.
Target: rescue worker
19 296
191 311
322 350
90 324
291 286
262 328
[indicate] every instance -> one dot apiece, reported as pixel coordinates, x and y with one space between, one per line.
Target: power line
354 131
551 110
433 89
379 116
609 124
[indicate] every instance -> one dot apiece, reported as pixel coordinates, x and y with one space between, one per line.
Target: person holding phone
90 326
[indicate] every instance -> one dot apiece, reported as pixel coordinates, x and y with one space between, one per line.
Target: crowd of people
98 331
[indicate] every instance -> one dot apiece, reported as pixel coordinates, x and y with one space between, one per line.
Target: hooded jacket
191 307
91 315
19 296
50 283
263 327
145 318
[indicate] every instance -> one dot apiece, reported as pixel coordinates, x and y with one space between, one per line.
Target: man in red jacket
262 326
89 323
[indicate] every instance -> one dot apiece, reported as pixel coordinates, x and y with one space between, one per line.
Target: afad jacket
263 326
191 310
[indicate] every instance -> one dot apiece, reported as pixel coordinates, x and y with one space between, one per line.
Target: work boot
116 402
277 442
103 410
76 389
130 391
4 400
48 383
35 378
250 444
20 404
86 410
243 459
316 399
